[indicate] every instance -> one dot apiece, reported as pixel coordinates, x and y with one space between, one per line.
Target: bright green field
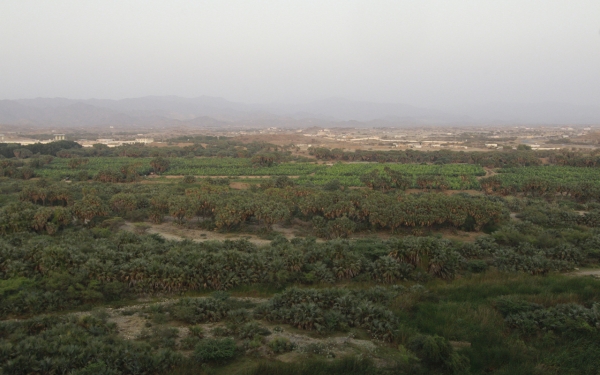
349 174
183 166
552 173
318 174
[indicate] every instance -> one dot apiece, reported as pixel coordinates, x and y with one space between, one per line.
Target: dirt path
233 177
170 231
595 273
489 172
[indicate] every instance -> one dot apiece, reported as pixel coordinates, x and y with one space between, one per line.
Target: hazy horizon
435 54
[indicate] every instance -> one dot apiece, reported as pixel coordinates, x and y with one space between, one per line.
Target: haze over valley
333 187
208 111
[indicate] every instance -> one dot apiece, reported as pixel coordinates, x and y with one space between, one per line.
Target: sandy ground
595 273
489 172
132 320
203 176
171 231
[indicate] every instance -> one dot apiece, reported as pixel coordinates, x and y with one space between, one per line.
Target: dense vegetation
406 276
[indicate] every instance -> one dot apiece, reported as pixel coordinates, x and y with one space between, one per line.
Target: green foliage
329 310
477 265
239 316
251 330
400 176
199 310
196 331
188 179
160 337
332 185
436 352
340 227
509 305
570 319
547 181
215 350
281 345
501 321
160 164
52 148
82 345
345 366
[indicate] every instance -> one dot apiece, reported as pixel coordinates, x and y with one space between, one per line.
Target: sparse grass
464 311
480 287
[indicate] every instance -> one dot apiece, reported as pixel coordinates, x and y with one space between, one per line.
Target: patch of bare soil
203 176
128 320
595 273
128 326
460 344
461 236
239 185
447 192
173 232
338 346
131 322
489 172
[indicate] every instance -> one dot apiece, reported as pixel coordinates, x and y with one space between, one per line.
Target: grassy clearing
464 311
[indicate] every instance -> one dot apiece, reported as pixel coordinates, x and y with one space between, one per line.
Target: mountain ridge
215 111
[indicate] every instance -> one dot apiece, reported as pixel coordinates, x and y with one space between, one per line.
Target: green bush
509 305
78 345
160 337
194 336
249 330
477 266
239 316
436 352
215 350
345 366
281 345
570 319
199 310
196 331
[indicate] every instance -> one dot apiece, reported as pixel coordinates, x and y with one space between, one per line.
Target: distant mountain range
205 111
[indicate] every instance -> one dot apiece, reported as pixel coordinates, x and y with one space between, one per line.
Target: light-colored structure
59 137
144 140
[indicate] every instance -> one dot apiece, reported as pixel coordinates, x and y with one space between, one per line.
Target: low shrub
281 345
199 310
252 329
215 350
477 266
436 352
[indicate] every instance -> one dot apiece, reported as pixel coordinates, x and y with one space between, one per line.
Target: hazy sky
429 53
